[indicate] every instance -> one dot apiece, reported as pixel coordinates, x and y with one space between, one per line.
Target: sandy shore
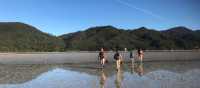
89 57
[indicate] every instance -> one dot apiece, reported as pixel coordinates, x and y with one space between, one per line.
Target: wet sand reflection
119 78
137 68
103 79
149 74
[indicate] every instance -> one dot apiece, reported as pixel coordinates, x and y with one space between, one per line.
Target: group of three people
118 57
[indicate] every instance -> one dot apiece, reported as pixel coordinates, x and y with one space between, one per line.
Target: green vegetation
111 38
20 37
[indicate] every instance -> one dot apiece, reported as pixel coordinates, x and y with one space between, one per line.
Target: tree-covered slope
15 36
111 38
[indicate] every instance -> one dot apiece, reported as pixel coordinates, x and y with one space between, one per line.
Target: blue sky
64 16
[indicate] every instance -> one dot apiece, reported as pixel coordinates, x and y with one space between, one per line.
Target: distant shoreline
3 52
89 57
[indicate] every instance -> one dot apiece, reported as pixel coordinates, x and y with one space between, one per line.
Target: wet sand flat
176 74
89 57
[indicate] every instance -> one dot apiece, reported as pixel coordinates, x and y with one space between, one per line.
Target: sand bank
89 57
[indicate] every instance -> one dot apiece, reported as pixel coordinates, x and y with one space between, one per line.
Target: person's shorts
116 59
102 58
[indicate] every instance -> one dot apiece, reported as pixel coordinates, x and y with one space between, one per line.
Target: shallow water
137 75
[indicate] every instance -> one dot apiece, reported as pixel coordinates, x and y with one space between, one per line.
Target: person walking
140 54
101 57
132 55
118 59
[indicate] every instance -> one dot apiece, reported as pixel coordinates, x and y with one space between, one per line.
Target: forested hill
111 38
20 37
15 36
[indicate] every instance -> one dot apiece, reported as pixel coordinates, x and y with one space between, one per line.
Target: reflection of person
102 79
118 58
119 78
140 54
140 69
101 57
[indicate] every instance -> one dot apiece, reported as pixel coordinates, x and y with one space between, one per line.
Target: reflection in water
140 69
155 75
119 78
15 74
103 79
137 68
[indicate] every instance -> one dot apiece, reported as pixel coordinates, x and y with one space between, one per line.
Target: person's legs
140 58
120 61
103 61
118 64
132 62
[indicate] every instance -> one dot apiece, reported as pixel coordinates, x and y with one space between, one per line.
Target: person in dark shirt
101 57
132 55
118 59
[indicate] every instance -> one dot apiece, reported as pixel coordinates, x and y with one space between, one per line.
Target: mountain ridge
17 36
21 37
173 38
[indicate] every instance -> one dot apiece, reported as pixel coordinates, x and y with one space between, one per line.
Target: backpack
116 56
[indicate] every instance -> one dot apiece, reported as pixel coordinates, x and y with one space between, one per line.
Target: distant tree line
20 37
112 38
